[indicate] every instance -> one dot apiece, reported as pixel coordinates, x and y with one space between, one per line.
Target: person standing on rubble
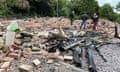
71 17
95 20
84 18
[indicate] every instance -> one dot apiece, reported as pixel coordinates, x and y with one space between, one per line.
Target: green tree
106 11
64 8
41 7
89 6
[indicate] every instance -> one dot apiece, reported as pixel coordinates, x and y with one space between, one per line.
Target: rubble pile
53 45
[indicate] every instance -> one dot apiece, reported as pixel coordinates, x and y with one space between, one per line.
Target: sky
113 3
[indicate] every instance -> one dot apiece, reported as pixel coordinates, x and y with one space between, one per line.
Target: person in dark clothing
71 17
95 19
84 18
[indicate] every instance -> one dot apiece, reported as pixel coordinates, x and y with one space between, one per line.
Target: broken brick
36 62
5 65
27 53
14 55
1 56
68 57
60 57
14 46
22 59
18 42
50 61
18 36
25 68
2 70
52 55
7 59
57 52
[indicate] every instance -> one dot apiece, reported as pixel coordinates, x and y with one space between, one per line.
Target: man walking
84 18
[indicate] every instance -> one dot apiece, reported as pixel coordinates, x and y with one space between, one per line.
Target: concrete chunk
36 62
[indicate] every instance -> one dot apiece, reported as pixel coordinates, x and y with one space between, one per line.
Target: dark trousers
71 21
83 24
95 25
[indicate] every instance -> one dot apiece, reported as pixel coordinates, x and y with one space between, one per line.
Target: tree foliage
106 11
28 8
89 6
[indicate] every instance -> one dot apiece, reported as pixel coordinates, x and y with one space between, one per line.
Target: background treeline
53 8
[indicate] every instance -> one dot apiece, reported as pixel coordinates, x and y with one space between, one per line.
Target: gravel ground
112 54
57 66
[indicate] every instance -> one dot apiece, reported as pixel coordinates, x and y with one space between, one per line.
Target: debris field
53 45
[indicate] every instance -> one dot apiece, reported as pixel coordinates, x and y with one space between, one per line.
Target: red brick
14 55
14 46
8 59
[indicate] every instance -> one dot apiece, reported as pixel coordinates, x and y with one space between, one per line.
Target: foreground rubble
52 45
